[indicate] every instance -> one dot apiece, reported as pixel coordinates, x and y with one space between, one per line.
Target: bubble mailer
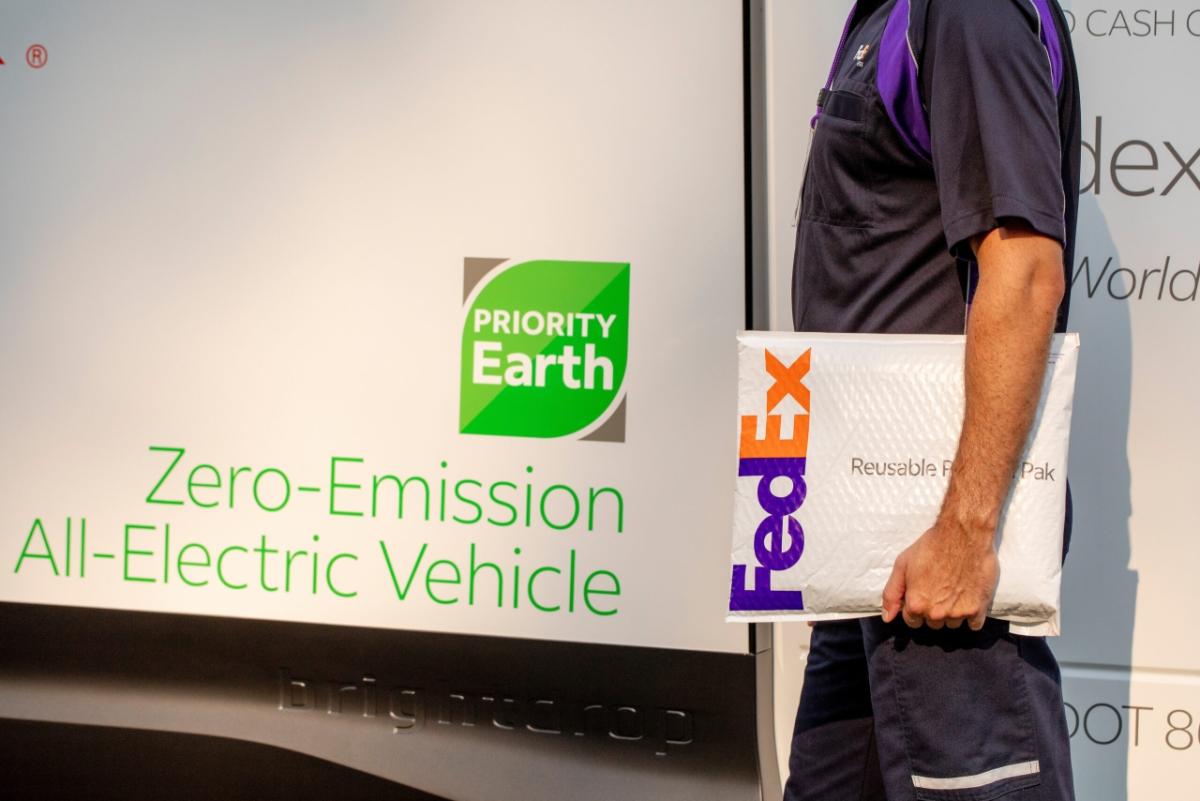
845 443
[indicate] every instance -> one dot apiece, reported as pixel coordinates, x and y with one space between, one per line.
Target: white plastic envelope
845 443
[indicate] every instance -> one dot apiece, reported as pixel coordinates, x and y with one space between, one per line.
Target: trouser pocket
964 707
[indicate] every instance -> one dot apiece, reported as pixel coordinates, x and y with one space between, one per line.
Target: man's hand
949 574
944 578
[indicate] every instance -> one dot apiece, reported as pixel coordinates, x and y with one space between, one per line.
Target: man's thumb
893 591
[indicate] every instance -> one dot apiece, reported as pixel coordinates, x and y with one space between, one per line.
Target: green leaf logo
544 348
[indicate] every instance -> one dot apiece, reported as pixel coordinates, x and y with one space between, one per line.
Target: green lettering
574 513
334 484
262 550
532 599
505 504
287 489
178 455
221 567
181 562
287 579
193 484
37 528
593 494
588 591
166 552
430 580
234 472
478 509
401 486
571 584
329 575
402 594
133 552
475 568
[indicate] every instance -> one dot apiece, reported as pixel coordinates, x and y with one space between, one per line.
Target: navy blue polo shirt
882 245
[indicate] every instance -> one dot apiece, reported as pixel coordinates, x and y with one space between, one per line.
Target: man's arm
949 574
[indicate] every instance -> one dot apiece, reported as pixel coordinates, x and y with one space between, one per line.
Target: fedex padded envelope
845 443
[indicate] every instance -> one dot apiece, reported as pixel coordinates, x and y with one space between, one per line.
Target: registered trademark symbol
36 56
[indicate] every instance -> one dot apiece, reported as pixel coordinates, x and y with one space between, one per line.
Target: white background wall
240 229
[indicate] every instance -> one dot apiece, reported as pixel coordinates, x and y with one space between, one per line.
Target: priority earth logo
544 348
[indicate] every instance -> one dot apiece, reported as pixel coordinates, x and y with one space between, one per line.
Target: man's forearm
1008 338
949 574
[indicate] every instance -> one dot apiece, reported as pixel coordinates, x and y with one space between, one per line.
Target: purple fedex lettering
761 598
779 538
768 543
769 537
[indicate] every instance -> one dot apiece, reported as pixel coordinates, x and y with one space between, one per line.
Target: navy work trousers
890 712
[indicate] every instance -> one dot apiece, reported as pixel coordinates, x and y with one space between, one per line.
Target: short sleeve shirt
883 242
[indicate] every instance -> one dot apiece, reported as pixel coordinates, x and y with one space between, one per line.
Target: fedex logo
779 539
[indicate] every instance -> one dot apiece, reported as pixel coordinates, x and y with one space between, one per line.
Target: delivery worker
943 169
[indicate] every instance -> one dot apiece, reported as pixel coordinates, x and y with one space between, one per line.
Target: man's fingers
893 591
914 621
976 622
953 622
934 624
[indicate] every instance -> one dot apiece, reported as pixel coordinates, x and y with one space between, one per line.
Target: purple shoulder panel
1049 36
899 85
